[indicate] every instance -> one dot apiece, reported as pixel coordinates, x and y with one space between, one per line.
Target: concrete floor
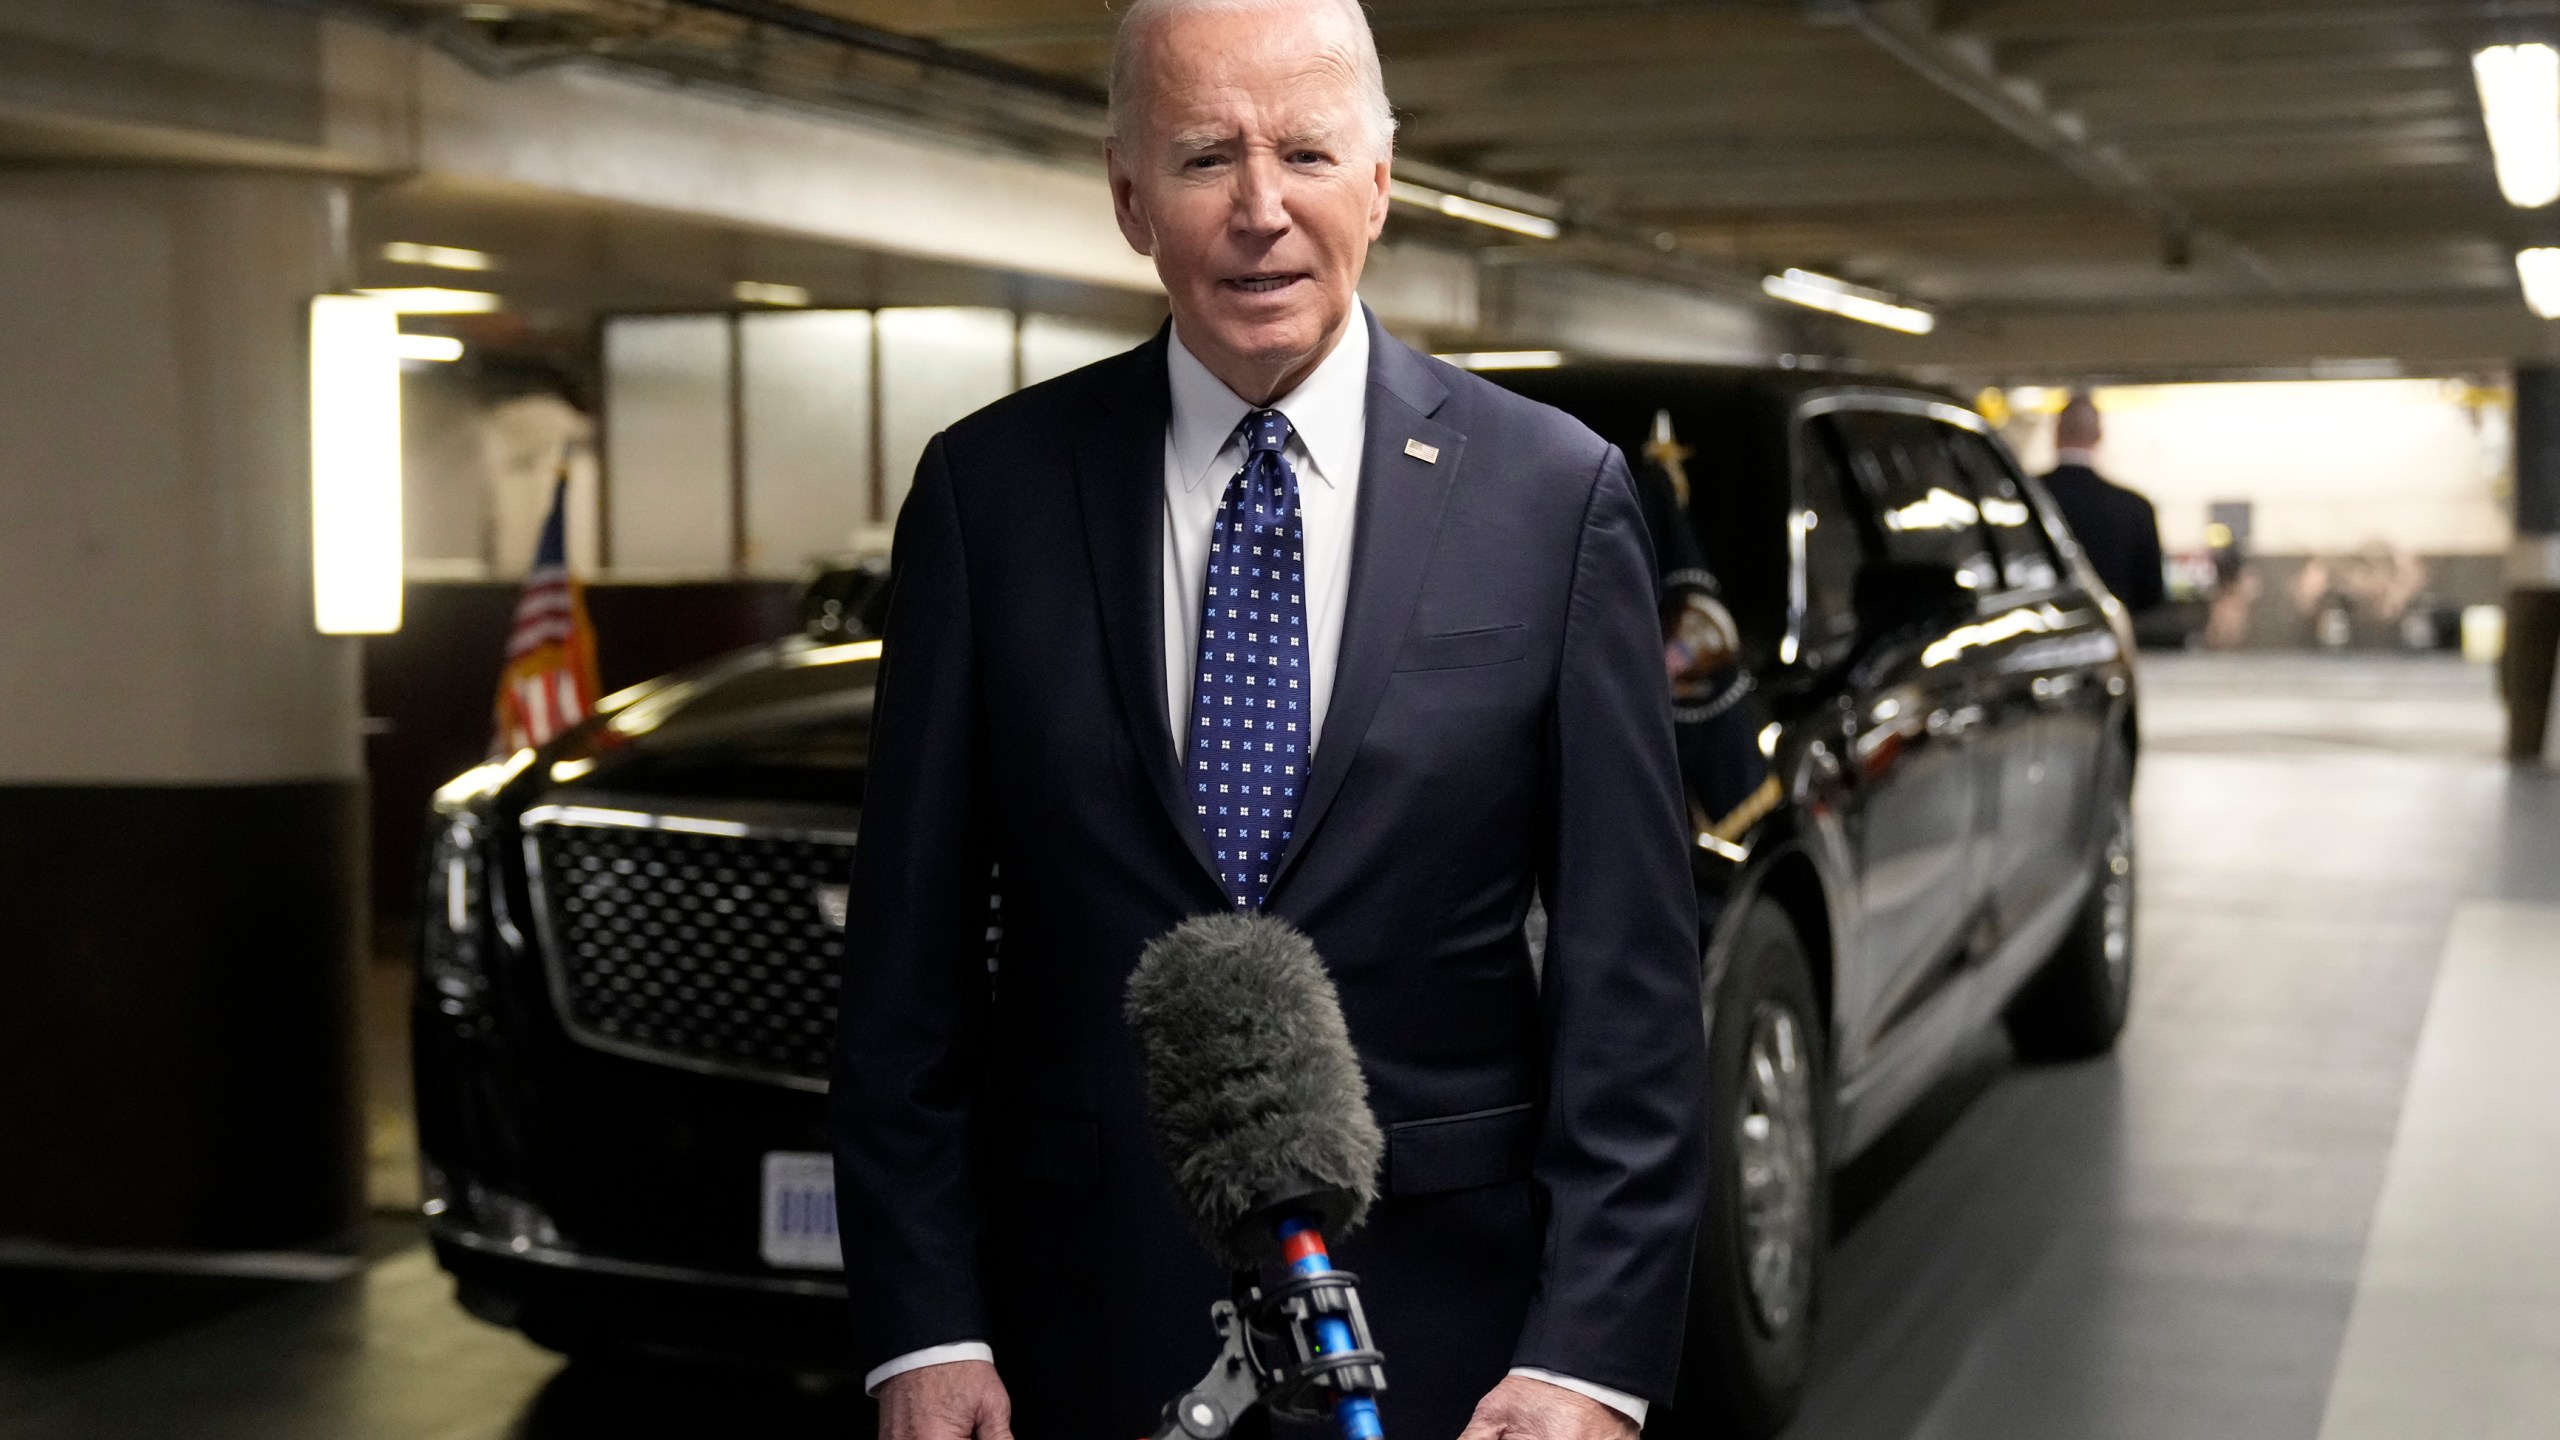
2298 1203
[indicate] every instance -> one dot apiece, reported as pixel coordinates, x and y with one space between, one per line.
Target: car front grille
706 943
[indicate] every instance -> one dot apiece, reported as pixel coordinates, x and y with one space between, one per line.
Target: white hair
1377 117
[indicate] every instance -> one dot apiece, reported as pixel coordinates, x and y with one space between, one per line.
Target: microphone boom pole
1263 1117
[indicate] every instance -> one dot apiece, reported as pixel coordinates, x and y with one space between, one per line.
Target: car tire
1767 1221
2074 1007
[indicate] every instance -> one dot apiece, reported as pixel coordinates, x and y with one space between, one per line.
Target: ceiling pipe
1614 245
1584 237
1967 70
928 54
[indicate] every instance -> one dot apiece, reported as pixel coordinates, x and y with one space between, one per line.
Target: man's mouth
1266 283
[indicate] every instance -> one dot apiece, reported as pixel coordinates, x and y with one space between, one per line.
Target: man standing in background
2116 527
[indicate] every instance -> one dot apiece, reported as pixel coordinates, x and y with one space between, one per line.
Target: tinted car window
1728 432
2026 553
1833 552
1924 508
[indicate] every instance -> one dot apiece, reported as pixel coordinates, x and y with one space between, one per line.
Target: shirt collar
1328 410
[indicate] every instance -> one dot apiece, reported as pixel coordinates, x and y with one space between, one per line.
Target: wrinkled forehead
1260 76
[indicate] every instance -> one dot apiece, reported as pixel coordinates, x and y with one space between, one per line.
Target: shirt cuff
1618 1400
933 1355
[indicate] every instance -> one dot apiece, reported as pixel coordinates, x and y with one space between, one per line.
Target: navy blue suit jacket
1499 726
2118 528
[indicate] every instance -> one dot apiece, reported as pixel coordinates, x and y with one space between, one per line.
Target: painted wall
2329 466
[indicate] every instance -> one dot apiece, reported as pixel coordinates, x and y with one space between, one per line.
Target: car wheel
2075 1006
1768 1215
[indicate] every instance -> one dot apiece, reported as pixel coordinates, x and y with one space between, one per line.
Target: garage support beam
181 791
1968 70
2227 339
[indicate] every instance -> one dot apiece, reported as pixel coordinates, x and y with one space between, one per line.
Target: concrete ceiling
1971 153
2021 165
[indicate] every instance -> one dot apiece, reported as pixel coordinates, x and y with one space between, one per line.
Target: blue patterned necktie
1249 692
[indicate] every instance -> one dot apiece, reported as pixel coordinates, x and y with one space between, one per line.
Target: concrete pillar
2533 564
2538 450
180 774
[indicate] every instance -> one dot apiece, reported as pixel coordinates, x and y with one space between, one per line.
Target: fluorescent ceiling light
2539 269
759 292
355 465
1461 207
442 257
430 347
2520 102
434 300
1504 359
1855 302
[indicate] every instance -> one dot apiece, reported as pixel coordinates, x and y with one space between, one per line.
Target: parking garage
453 459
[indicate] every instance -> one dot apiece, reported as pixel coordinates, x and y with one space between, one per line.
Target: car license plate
800 1211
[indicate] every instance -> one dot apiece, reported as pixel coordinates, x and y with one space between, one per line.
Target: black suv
628 963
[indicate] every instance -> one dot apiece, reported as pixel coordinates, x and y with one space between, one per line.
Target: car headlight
453 942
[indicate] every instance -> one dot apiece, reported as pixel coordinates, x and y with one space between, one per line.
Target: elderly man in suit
1269 613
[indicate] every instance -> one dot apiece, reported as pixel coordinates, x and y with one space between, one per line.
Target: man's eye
1309 157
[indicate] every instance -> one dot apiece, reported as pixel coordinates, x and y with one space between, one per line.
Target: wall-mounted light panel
1474 211
439 349
434 300
767 292
2520 107
2538 270
1504 359
442 257
355 465
1856 302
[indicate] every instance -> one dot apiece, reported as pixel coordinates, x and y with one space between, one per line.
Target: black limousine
628 959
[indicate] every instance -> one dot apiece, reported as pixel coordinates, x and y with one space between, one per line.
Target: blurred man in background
2117 527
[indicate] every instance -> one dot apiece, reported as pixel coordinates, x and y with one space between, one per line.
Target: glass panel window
805 405
666 380
1052 345
2026 553
937 364
1825 525
1924 508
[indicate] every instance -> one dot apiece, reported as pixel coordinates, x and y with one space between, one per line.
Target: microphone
1263 1118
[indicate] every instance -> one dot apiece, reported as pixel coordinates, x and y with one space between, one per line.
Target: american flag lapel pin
1427 454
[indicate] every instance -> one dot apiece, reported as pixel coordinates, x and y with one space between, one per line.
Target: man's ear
1125 205
1379 202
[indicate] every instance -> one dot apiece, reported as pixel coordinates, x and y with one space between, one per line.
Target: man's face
1249 178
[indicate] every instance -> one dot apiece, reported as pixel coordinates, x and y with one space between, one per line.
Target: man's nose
1259 199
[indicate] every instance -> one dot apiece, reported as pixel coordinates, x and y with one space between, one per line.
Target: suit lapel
1120 488
1397 518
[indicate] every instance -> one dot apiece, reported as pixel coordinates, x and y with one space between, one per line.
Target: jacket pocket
1460 1152
1457 649
1060 1149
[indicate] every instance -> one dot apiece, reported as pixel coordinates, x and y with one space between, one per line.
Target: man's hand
958 1400
1524 1409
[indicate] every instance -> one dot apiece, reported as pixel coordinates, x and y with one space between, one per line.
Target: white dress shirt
1328 418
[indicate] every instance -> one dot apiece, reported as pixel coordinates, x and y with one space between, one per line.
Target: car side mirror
1891 594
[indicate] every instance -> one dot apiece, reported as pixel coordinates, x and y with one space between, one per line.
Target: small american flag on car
549 683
